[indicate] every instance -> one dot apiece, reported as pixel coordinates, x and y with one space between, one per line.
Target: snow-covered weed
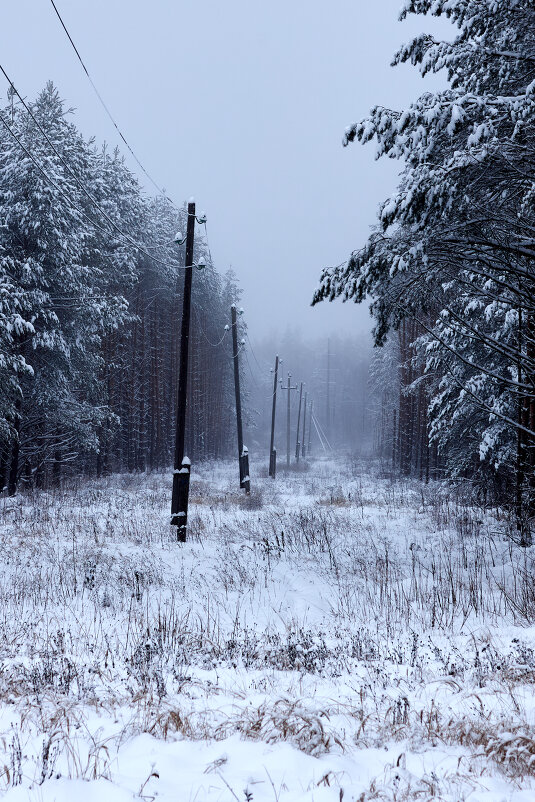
327 611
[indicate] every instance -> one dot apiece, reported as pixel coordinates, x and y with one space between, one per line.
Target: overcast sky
242 104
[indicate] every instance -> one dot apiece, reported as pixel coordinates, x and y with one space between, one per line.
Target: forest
448 266
89 311
246 557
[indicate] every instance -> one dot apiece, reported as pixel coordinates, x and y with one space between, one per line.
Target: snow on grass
334 635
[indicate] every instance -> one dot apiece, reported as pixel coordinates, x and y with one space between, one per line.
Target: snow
335 631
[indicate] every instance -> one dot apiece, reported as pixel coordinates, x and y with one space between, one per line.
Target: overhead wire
71 172
160 190
252 351
52 182
213 345
207 242
251 372
107 110
318 432
323 432
125 237
45 174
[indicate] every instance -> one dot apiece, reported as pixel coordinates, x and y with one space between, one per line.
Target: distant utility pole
243 454
297 442
182 465
272 452
310 427
288 388
303 439
328 398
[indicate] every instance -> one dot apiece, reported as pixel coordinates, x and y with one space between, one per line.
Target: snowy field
336 636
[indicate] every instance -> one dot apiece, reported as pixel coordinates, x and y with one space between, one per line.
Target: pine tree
56 259
454 244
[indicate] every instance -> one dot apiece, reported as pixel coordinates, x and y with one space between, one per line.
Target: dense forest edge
449 264
90 302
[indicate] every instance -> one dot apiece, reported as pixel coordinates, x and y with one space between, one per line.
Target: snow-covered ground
334 636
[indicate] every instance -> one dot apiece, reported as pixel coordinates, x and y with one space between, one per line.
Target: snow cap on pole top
191 200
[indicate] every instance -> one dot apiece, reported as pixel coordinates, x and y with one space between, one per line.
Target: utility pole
243 454
272 452
182 465
297 443
328 400
310 427
303 439
288 388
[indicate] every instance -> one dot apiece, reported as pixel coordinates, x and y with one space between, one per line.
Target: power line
318 424
71 172
45 174
70 201
208 243
252 351
318 432
213 345
252 374
106 109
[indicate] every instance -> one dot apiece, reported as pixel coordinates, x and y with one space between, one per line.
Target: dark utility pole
272 452
303 439
297 443
181 472
243 454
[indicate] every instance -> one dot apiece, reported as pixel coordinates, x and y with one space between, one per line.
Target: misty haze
267 401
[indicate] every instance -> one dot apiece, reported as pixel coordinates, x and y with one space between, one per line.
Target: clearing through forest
336 635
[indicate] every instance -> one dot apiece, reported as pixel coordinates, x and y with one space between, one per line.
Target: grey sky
243 105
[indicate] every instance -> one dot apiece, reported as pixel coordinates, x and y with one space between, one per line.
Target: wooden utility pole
303 439
243 454
297 443
288 388
182 465
272 452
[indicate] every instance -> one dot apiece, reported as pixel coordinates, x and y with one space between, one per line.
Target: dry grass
101 611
